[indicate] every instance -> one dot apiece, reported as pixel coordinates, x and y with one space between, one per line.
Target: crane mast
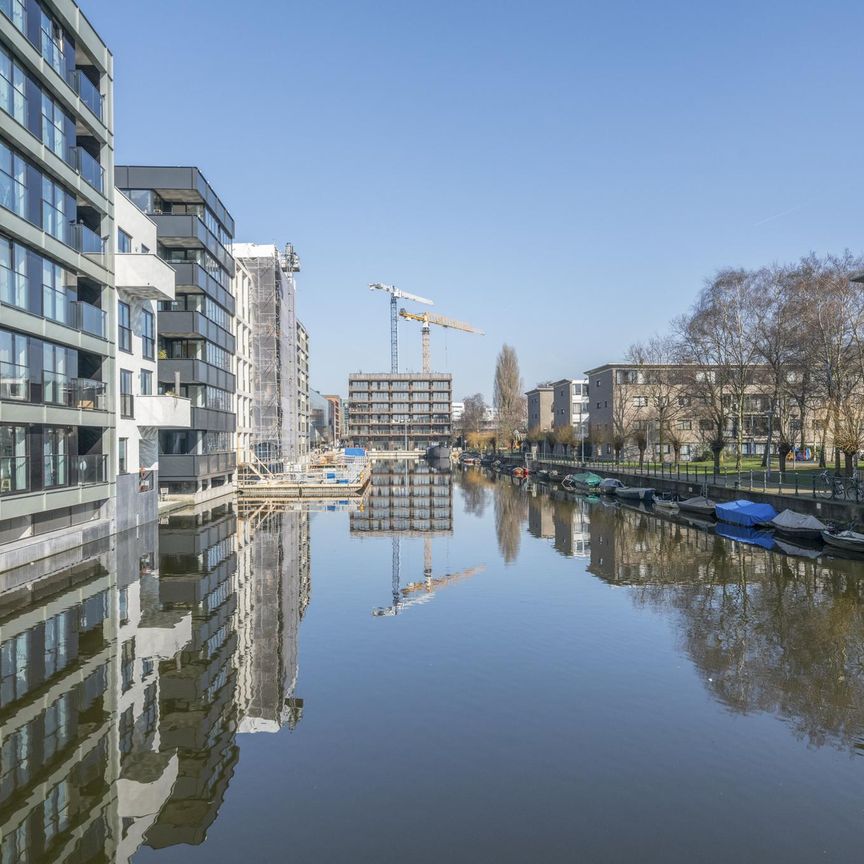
396 294
427 318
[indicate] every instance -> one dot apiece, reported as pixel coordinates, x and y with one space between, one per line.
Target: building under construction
399 411
275 438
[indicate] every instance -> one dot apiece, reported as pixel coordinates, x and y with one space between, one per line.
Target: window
13 181
56 384
55 303
598 405
13 99
122 455
124 241
684 401
14 367
146 382
640 401
55 219
54 127
55 456
13 459
127 405
148 335
124 327
13 273
685 425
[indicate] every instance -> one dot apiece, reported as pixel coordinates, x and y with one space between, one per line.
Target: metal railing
793 481
14 474
14 382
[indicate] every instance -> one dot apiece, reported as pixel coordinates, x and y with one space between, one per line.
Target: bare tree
661 386
474 414
717 339
509 399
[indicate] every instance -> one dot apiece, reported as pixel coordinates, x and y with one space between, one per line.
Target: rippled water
544 680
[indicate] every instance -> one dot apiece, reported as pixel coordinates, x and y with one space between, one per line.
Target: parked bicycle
830 485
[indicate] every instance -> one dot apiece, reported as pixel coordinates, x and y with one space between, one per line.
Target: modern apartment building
56 281
196 339
398 411
143 280
570 406
279 363
541 413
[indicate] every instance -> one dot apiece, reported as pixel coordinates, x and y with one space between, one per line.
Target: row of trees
785 341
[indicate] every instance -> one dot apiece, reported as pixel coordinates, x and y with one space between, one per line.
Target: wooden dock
323 482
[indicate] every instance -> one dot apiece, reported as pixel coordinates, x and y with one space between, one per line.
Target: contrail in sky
777 216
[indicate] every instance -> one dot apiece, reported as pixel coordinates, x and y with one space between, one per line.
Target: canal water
460 668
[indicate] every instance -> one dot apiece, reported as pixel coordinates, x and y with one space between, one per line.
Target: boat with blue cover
745 513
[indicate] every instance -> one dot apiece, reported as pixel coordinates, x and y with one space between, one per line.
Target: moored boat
610 486
792 524
848 541
670 505
698 504
745 513
584 482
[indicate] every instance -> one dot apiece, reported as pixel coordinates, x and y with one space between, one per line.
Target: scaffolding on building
273 324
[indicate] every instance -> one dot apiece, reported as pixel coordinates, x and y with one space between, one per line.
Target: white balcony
144 274
163 412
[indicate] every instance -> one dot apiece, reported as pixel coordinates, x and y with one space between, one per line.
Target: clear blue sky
561 174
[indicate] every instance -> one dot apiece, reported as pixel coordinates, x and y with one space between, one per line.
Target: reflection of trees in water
767 632
475 491
511 510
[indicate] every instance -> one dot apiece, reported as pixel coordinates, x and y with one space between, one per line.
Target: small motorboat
635 493
670 505
848 541
543 475
792 524
699 505
585 482
609 486
746 513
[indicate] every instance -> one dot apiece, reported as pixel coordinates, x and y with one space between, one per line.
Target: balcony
89 168
194 371
190 466
89 93
145 275
193 275
164 412
89 319
60 470
14 382
83 394
189 324
14 474
87 241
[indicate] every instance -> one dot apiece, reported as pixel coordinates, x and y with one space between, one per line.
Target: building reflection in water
126 675
564 521
407 498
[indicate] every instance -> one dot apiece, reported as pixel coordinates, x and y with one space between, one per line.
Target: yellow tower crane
427 318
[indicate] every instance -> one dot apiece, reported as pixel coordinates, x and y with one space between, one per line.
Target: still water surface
552 680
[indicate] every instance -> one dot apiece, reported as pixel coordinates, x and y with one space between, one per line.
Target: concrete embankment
826 509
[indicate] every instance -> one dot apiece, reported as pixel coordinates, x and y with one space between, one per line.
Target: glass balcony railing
90 319
89 168
87 241
84 394
92 468
14 474
90 395
55 471
89 93
14 382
